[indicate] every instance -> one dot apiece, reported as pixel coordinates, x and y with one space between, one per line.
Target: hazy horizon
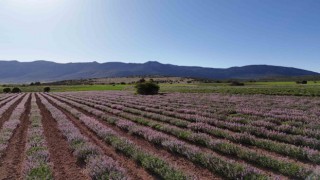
158 62
208 33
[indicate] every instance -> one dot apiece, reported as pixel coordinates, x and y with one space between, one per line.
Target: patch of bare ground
13 158
65 165
181 163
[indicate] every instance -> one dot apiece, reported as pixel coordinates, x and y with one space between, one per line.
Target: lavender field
119 135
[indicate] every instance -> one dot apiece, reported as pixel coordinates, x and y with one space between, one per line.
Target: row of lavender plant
282 165
311 133
174 111
301 153
282 108
213 101
187 114
5 97
211 161
37 163
8 103
11 124
98 165
258 131
297 107
155 105
288 110
206 101
289 127
149 161
242 104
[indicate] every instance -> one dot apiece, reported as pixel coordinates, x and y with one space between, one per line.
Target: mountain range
46 71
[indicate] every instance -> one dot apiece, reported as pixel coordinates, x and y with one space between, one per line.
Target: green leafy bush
46 89
147 88
236 83
16 90
6 90
302 82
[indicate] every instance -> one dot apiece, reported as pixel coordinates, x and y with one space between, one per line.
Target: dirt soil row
13 158
65 165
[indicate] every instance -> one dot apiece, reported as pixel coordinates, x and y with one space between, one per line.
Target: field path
64 163
11 162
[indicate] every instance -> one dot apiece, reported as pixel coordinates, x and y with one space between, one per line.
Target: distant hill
46 71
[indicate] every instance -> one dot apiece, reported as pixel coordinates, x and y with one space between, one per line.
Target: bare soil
13 158
64 163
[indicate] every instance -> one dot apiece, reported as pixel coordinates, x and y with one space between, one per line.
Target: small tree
236 83
302 82
46 89
147 88
16 90
6 90
142 80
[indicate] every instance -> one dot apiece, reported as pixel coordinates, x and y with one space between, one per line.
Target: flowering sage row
99 166
212 162
282 165
149 161
37 163
11 124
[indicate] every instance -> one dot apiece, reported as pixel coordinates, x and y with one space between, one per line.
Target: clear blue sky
211 33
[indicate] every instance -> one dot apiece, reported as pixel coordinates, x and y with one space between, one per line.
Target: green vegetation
6 90
46 89
312 88
302 82
16 90
268 88
147 88
41 172
236 83
66 88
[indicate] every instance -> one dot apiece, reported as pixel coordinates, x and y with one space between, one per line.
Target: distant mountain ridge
46 71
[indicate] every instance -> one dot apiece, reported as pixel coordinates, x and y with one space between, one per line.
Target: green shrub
147 88
41 172
46 89
302 82
142 80
236 83
6 90
16 90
